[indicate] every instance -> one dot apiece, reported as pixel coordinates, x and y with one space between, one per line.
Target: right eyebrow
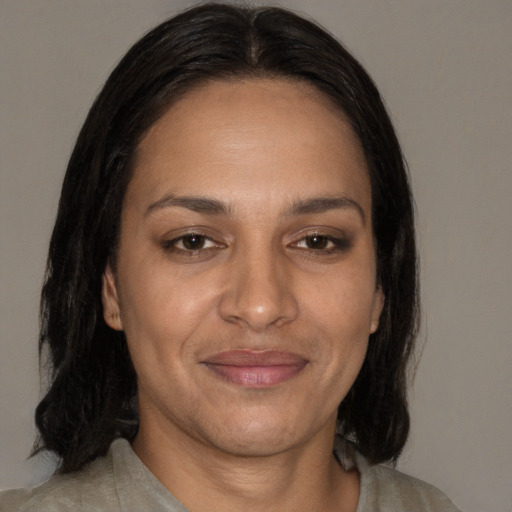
195 203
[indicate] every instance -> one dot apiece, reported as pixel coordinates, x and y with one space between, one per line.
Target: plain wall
444 68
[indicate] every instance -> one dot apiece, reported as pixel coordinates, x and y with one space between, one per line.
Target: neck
203 478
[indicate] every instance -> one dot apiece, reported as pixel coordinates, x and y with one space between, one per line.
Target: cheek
160 312
339 311
343 301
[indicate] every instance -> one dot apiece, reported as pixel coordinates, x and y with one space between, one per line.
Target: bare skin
246 287
204 481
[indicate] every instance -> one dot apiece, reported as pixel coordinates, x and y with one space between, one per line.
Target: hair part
91 399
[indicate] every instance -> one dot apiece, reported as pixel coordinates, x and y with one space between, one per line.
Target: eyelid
176 241
329 239
339 241
171 243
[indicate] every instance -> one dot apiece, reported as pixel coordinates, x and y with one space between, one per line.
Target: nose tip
258 297
257 316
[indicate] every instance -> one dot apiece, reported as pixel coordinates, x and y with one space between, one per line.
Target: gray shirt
119 482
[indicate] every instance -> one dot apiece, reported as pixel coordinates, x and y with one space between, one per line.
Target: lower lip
256 376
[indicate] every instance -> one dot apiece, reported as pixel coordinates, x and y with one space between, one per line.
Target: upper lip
243 357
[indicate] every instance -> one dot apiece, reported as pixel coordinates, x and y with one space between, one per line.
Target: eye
317 242
322 243
191 242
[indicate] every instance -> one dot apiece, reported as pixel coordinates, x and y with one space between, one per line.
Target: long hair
91 399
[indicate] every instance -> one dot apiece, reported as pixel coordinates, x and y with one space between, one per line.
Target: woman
230 303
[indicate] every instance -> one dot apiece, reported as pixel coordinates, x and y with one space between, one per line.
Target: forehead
252 135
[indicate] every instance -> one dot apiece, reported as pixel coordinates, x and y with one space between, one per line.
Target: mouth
255 369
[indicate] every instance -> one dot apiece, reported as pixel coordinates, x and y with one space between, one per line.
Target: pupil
193 242
317 242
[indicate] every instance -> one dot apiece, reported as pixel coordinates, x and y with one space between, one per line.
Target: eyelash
172 245
336 244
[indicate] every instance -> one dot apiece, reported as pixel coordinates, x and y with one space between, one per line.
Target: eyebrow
196 204
324 204
215 207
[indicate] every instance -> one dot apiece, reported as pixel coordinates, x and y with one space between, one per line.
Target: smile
255 369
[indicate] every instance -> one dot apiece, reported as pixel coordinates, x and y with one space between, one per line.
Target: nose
259 294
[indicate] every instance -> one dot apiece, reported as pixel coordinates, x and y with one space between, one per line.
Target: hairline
244 75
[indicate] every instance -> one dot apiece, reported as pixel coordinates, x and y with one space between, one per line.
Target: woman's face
246 275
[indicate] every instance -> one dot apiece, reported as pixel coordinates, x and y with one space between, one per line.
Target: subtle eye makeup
195 244
190 244
323 243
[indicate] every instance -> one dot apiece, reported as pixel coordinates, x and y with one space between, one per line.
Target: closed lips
256 369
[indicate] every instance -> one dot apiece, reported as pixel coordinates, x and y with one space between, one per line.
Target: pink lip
256 369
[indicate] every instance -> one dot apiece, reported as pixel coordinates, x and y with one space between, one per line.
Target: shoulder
386 489
90 489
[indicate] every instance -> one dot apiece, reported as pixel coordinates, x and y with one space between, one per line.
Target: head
93 377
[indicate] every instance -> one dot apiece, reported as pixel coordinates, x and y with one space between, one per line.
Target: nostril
258 294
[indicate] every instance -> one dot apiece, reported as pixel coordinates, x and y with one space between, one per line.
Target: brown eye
318 242
190 243
193 242
322 244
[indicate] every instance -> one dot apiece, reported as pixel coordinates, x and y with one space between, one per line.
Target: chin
259 437
256 444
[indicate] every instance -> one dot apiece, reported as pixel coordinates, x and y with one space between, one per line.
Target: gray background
444 68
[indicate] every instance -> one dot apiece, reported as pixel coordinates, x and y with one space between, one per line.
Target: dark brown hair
91 399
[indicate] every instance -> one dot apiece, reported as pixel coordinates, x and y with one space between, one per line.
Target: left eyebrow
324 204
196 204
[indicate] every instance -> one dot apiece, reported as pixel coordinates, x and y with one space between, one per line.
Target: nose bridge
259 292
